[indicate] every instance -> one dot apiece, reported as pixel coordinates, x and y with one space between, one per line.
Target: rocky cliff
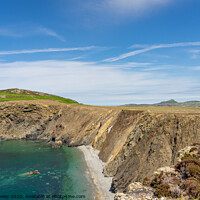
132 143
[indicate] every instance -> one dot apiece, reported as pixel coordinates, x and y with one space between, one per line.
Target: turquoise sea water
62 172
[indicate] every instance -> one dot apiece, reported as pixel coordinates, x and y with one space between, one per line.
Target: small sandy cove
95 168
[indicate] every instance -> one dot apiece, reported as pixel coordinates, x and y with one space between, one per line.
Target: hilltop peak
170 101
23 91
13 94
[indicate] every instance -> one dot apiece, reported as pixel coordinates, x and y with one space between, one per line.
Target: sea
63 172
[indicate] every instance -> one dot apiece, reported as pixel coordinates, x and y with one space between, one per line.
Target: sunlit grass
16 97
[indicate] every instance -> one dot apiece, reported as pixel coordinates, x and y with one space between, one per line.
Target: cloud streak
46 50
195 51
24 31
160 46
117 11
49 32
138 46
134 6
9 33
196 68
98 84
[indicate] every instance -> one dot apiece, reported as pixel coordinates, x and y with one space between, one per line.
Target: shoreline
95 167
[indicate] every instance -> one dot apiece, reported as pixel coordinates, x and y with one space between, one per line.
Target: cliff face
73 125
132 143
154 142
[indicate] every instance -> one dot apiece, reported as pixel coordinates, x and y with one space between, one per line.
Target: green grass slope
16 94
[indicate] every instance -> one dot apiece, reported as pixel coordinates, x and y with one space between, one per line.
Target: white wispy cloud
117 11
154 68
50 32
28 30
195 68
153 47
94 83
134 6
9 33
194 51
78 58
46 50
130 65
135 46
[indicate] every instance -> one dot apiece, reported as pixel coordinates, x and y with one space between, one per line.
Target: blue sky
102 52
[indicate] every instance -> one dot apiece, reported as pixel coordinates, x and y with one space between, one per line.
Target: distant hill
16 94
169 103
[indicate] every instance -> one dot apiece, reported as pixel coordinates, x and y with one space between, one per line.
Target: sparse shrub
146 181
157 180
163 190
193 149
192 187
186 179
189 157
160 183
189 168
193 170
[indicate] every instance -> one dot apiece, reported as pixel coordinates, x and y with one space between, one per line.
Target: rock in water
56 144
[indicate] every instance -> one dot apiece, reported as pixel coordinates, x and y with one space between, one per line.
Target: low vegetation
184 181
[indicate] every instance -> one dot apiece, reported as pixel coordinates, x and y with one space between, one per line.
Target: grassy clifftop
16 94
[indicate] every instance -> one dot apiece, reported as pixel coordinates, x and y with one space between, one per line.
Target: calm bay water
62 172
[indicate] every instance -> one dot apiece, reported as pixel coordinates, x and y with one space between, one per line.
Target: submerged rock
33 173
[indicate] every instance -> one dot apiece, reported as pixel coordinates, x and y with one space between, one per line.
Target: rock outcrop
137 191
133 143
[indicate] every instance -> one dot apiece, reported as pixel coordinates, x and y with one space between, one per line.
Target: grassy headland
16 94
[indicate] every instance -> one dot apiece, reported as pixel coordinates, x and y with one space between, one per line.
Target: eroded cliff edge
132 143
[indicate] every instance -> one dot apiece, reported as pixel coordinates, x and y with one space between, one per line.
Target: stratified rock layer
134 144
